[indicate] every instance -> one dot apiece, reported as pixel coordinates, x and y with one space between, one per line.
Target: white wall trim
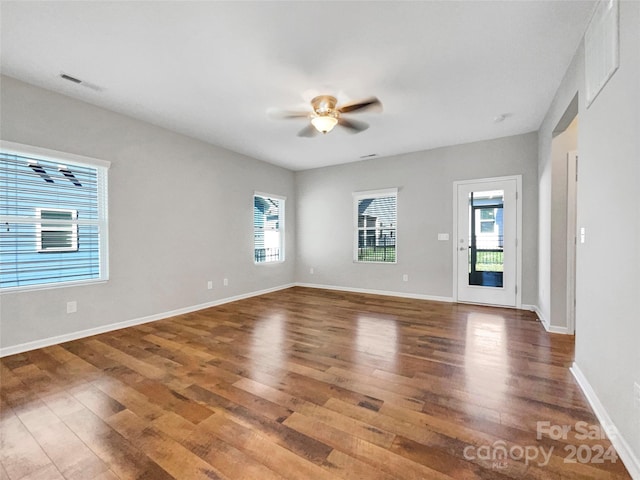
51 155
47 342
543 320
417 296
547 325
618 441
559 330
572 238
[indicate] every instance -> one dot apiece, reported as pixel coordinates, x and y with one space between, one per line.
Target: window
375 226
487 220
53 218
57 237
268 228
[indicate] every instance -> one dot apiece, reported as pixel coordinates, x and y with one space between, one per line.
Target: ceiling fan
326 114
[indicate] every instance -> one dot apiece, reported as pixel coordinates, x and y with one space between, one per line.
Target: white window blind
375 223
53 216
268 228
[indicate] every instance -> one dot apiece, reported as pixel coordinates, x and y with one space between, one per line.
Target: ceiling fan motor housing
324 105
325 116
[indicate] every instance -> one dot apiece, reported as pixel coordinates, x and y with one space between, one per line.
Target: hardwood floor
303 384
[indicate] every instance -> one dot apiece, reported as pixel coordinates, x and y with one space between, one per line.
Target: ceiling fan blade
367 104
278 114
308 131
354 126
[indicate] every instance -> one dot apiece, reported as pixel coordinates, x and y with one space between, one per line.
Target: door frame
456 184
572 238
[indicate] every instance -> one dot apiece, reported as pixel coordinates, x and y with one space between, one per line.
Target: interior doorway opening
563 224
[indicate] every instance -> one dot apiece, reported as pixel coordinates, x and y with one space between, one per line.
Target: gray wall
425 208
607 280
181 214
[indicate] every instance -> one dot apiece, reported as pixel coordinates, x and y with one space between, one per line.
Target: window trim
281 228
67 159
380 193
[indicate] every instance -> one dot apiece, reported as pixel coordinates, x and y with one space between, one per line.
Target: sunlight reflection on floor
377 336
486 359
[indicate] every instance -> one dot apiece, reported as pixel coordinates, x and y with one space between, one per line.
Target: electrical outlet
72 307
225 282
209 284
405 278
311 270
636 395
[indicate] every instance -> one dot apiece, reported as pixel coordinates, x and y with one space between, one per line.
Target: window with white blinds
53 214
268 228
375 223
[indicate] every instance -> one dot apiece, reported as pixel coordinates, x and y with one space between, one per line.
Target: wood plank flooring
304 384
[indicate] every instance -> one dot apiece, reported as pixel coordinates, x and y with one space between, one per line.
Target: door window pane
486 233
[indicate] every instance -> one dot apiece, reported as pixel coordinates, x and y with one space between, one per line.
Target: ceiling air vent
77 81
70 78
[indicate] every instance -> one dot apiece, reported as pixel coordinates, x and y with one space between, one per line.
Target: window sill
51 286
277 262
375 263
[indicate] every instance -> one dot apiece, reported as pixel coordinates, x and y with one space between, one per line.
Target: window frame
372 194
102 222
50 225
281 227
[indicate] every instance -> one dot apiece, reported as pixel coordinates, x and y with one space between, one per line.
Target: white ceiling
211 70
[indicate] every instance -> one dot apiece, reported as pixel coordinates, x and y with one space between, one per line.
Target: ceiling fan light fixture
324 123
326 114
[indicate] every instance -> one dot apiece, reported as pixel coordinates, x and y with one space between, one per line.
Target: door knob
462 248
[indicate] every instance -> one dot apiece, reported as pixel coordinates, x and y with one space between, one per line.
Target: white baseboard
543 320
560 330
47 342
546 324
417 296
622 447
24 347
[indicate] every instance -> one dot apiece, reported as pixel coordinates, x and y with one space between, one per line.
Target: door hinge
516 289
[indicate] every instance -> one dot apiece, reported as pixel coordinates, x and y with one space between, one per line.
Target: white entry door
486 254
